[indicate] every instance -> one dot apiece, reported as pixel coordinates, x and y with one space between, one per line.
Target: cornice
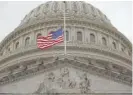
57 50
62 62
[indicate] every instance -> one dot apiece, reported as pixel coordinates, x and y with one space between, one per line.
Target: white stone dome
74 10
97 54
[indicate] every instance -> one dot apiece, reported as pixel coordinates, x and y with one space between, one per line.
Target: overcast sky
119 13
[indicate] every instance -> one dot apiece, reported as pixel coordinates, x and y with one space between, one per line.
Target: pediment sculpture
64 79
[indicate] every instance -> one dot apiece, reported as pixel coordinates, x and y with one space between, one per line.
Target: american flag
53 38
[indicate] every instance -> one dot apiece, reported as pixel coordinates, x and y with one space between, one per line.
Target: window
114 45
67 36
55 6
92 38
79 36
27 41
17 45
104 41
39 34
75 7
84 7
122 48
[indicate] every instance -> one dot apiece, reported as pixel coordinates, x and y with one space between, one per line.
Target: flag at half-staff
53 38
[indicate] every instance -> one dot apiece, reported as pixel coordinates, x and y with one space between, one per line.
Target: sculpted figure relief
71 84
41 88
47 87
84 84
44 89
51 77
60 82
64 79
65 72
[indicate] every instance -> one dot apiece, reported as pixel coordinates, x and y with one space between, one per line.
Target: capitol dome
74 10
97 53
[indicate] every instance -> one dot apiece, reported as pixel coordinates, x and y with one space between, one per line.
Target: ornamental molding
70 46
63 61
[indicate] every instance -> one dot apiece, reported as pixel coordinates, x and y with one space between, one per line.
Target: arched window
84 7
27 41
114 45
39 34
104 42
92 38
55 6
122 48
79 36
67 36
75 7
17 45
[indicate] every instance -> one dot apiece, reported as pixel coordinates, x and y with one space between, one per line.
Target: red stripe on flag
45 42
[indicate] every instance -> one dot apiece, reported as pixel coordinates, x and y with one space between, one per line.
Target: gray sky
119 13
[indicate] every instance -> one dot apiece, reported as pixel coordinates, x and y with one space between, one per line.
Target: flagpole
64 30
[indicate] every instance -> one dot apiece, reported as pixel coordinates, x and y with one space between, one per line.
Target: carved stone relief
65 79
84 84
